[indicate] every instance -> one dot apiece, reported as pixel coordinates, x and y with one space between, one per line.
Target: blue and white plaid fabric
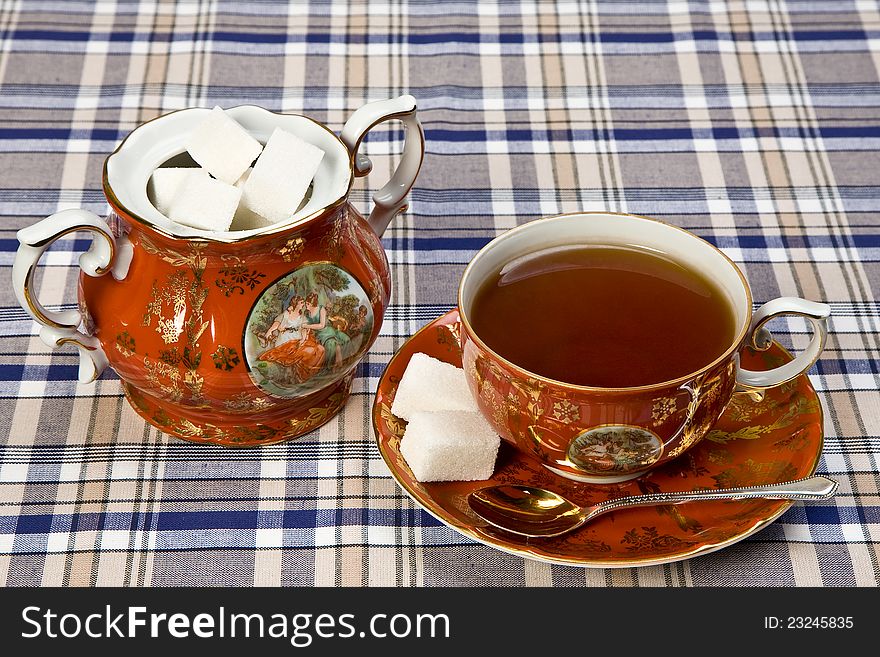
753 124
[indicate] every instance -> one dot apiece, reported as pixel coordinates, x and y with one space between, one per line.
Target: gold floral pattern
374 290
564 411
649 541
688 437
169 356
333 241
794 442
751 473
690 467
530 388
195 259
747 406
233 435
711 390
662 409
168 305
173 295
449 335
210 433
493 400
292 249
798 407
718 455
395 425
125 344
236 277
225 358
318 415
473 369
244 401
164 377
701 414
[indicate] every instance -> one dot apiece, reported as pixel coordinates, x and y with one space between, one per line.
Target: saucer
776 439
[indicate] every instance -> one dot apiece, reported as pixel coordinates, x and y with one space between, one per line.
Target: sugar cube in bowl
202 202
222 146
281 177
165 183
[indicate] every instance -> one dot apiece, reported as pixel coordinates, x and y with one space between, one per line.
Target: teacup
608 435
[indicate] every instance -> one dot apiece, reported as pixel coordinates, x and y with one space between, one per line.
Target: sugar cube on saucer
222 146
281 177
165 183
202 202
429 384
449 446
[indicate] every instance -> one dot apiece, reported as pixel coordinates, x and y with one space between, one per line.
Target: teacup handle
60 328
760 339
391 199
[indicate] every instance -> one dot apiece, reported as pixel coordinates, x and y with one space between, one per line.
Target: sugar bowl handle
759 338
391 199
60 328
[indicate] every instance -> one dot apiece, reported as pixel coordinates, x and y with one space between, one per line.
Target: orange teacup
608 435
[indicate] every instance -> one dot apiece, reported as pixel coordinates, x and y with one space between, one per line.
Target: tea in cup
606 344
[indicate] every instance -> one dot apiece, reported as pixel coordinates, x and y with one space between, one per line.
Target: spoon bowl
537 512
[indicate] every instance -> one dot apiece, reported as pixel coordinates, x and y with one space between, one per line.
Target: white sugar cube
222 146
246 219
449 446
281 177
244 177
431 385
164 184
202 202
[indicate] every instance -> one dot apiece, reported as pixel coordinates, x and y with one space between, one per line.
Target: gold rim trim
785 505
119 208
735 346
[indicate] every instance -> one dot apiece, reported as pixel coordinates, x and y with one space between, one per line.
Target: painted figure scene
307 330
615 449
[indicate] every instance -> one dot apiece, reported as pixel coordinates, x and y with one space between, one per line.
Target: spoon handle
816 487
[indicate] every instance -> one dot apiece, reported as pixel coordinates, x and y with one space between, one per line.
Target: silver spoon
536 512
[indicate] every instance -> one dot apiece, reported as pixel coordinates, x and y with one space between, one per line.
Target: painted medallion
307 330
619 448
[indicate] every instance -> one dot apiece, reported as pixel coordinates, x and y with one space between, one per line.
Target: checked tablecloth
754 124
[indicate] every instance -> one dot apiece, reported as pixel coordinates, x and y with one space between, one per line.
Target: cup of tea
607 344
